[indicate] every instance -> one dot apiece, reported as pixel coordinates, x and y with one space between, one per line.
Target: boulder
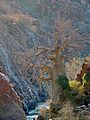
55 108
11 111
40 117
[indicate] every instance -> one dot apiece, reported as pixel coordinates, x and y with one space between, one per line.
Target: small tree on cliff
67 42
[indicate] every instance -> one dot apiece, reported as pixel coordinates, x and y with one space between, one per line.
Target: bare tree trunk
59 69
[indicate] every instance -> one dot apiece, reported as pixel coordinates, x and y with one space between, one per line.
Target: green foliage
86 79
76 86
63 82
71 94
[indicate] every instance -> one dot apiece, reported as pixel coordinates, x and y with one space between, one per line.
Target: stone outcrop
85 67
10 103
82 72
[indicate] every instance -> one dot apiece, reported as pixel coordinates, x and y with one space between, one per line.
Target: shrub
86 79
71 90
76 86
63 82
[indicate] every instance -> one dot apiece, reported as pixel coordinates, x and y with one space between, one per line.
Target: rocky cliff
10 103
17 34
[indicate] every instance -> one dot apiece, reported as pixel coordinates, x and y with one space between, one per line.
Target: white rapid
36 112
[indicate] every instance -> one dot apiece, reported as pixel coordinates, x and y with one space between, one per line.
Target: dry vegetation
67 113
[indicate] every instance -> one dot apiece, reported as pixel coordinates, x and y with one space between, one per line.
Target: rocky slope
16 37
10 103
26 24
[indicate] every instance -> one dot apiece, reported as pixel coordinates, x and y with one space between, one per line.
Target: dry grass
66 113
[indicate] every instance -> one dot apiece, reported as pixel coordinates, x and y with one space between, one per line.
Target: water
34 113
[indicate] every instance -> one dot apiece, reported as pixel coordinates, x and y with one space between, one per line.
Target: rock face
11 112
29 92
17 39
85 67
10 103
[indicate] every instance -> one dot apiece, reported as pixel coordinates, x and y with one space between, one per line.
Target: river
34 113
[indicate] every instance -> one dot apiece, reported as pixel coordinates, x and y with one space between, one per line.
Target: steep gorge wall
10 103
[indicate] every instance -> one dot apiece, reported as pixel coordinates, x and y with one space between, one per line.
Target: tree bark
59 69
